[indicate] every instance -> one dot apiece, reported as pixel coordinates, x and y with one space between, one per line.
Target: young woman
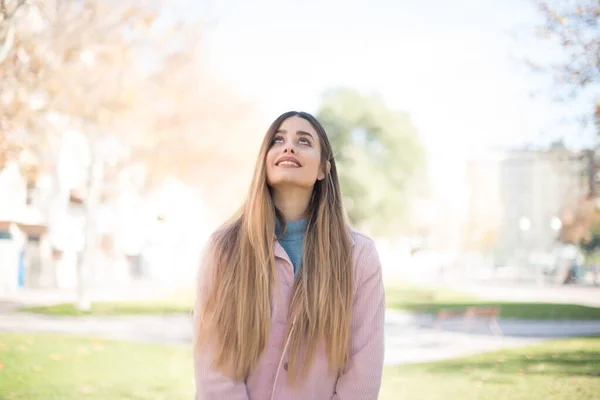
290 301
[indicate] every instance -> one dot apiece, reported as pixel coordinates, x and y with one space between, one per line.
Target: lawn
102 308
59 367
399 296
180 302
557 370
427 300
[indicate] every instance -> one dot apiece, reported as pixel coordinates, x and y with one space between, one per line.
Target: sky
447 63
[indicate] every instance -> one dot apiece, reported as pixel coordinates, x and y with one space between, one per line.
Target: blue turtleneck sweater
292 241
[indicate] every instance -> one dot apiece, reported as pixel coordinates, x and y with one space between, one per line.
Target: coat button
285 366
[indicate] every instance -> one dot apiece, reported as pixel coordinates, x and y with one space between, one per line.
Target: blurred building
536 187
153 235
516 198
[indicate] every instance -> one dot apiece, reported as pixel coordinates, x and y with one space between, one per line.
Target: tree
578 221
136 94
380 158
572 28
8 16
198 117
79 61
17 69
592 244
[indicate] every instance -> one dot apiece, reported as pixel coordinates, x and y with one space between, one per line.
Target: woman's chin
290 182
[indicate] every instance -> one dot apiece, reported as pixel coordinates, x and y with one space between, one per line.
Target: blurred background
466 135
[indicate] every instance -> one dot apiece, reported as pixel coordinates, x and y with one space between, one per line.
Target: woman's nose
289 148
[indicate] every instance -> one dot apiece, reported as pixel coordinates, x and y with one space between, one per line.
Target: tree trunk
9 42
56 212
86 259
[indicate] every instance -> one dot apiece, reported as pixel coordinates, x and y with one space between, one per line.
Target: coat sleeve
361 380
210 383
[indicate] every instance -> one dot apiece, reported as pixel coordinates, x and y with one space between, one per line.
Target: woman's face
294 158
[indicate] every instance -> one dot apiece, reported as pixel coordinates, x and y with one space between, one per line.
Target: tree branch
8 18
9 42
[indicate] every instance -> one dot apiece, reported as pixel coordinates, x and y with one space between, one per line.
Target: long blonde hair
235 312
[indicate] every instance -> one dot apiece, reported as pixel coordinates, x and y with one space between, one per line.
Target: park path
410 338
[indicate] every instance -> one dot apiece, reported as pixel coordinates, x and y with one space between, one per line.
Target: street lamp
556 224
524 224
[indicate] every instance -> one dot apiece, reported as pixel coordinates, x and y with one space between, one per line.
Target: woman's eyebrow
299 133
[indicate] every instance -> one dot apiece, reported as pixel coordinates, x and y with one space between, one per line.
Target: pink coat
362 378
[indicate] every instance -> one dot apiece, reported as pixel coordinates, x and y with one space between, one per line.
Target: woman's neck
292 202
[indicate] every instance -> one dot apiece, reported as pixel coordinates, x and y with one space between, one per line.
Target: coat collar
280 252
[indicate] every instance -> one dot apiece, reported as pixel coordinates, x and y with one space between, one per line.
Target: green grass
114 308
557 370
178 303
60 367
426 300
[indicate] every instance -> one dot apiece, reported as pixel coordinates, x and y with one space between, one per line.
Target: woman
290 301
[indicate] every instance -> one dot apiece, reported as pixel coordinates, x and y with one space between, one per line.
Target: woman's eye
304 141
277 139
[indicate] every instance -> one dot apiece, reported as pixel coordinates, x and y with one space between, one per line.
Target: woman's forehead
296 123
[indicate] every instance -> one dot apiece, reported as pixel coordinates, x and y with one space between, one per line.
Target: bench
470 314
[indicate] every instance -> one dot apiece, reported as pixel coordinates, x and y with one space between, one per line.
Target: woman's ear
324 171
